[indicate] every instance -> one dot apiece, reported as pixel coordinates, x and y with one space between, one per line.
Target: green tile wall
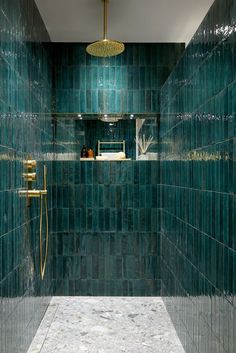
197 166
106 234
106 206
127 83
25 97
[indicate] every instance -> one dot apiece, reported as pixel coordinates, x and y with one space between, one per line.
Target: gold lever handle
30 163
29 176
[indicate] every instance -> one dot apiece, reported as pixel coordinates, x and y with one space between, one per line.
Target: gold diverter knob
29 176
30 163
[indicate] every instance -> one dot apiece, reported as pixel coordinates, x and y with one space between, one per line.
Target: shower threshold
106 325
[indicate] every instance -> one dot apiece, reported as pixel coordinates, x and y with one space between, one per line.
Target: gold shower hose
43 260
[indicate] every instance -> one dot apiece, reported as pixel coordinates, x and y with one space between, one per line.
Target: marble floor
106 325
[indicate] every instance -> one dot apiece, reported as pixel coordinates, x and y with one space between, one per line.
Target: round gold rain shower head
105 47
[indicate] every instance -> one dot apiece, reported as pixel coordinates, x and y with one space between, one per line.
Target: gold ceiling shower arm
105 19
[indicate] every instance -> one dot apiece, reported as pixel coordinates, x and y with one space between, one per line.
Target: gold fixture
29 176
105 47
43 197
42 194
30 163
32 193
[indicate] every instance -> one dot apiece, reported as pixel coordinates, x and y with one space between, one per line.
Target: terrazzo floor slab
106 325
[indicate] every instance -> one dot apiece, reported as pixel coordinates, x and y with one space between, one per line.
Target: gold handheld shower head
43 199
105 47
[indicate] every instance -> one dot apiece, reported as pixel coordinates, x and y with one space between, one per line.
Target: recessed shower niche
105 135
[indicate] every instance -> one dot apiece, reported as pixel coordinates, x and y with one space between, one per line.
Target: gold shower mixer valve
29 176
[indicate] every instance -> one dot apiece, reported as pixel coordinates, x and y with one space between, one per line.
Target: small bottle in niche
90 153
84 152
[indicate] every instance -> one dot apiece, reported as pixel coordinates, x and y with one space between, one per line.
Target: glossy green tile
196 178
112 85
